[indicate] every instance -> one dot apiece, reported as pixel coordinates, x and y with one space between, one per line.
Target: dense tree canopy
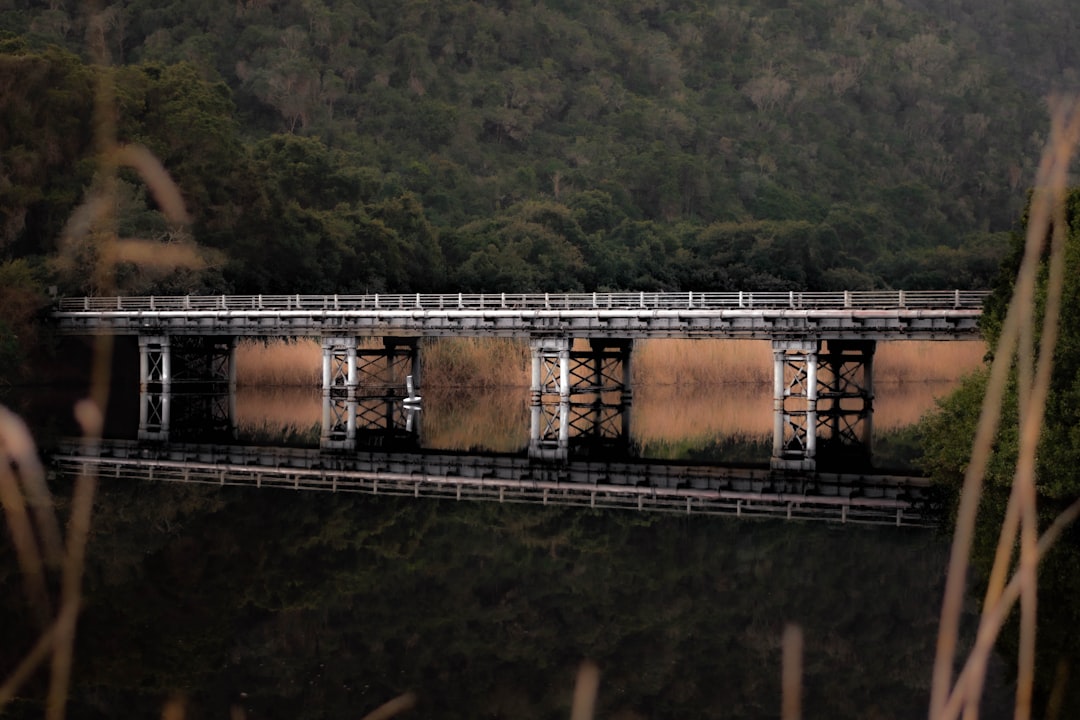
381 146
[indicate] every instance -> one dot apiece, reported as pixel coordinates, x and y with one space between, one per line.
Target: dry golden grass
926 361
701 362
497 362
1019 346
711 362
279 363
679 412
743 411
475 362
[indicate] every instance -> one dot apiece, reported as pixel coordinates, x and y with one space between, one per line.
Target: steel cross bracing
352 369
821 399
154 411
581 420
846 394
201 359
170 416
349 423
761 315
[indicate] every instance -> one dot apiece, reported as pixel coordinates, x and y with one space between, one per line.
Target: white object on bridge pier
411 398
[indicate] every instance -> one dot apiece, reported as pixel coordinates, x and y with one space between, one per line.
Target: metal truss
846 394
169 416
368 420
154 411
154 361
560 370
202 358
561 429
352 370
821 395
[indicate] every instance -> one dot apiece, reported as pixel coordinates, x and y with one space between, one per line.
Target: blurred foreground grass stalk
90 245
1016 345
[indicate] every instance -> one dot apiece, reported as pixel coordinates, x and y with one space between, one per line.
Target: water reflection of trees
326 605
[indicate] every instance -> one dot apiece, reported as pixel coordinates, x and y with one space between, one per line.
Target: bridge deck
757 315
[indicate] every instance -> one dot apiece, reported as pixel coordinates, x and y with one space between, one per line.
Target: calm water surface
290 604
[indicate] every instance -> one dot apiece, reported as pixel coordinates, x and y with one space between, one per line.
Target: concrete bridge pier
187 416
206 361
369 421
155 361
155 410
187 386
559 369
549 431
550 367
822 401
338 365
795 386
350 369
364 392
579 397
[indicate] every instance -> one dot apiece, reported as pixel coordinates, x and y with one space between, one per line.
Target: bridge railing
852 299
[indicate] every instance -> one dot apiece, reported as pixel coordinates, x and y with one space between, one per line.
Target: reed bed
713 362
743 411
475 362
480 419
501 362
51 554
927 360
279 363
673 413
701 362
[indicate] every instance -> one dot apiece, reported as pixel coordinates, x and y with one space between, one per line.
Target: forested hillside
460 145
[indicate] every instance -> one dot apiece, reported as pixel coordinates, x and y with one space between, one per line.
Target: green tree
950 432
45 134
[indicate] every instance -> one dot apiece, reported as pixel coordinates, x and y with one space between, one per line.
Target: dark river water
263 602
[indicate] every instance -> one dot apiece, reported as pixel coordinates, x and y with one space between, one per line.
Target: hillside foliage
454 144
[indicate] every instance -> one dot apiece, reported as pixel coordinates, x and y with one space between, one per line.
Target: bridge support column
154 414
365 392
370 421
847 395
822 401
338 422
200 416
338 365
579 397
187 387
795 404
155 361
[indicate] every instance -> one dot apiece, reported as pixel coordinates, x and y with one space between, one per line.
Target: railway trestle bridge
581 351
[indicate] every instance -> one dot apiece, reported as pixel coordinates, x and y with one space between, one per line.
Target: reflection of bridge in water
631 484
823 349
